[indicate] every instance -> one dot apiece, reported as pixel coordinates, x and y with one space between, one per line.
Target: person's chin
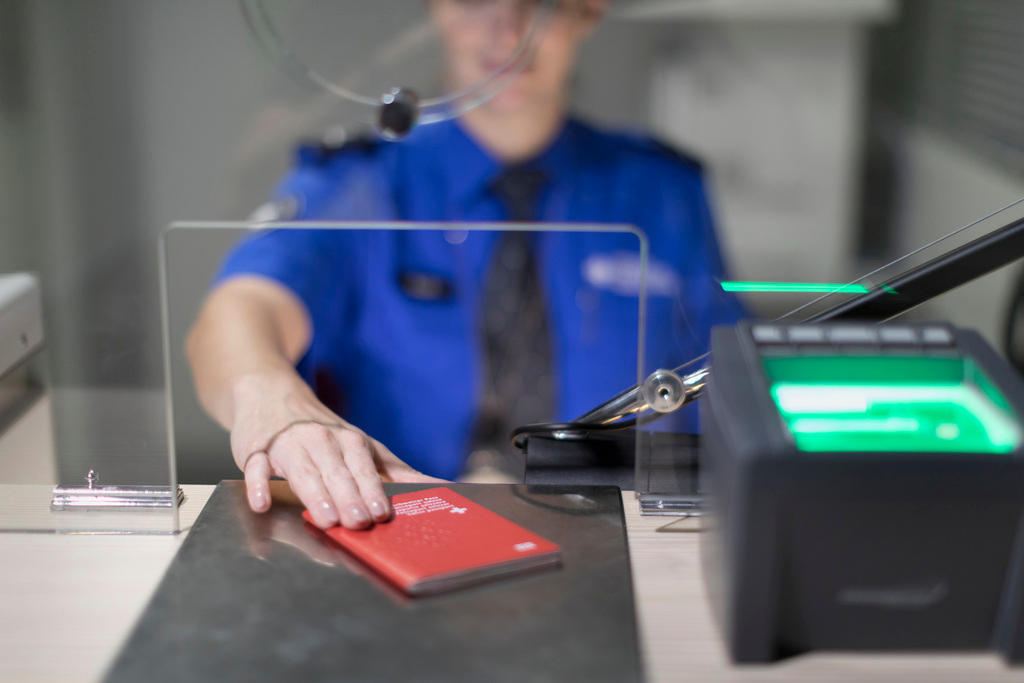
511 101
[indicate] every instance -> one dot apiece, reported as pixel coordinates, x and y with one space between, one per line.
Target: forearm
246 340
243 349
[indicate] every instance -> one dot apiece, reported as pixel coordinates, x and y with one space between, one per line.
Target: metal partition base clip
93 497
669 504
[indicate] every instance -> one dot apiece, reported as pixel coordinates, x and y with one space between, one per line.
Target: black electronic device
865 490
609 459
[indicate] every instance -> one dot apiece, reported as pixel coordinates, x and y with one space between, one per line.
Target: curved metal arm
664 391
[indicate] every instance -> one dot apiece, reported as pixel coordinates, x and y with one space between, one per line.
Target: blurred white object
26 424
21 319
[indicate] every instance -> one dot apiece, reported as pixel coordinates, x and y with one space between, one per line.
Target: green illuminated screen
890 403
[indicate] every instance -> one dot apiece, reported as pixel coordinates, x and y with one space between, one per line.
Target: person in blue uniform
338 359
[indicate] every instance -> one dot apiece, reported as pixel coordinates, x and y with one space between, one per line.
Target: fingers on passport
358 453
331 469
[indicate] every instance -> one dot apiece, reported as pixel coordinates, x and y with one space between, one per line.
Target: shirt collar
468 168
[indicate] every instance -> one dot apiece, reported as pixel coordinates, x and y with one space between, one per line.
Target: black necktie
518 188
518 383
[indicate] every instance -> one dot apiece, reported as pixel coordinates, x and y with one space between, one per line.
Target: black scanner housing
855 551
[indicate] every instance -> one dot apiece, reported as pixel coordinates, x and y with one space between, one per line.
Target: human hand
280 428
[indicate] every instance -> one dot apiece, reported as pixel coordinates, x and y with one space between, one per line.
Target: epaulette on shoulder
320 152
676 154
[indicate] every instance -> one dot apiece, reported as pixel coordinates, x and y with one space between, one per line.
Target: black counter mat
266 598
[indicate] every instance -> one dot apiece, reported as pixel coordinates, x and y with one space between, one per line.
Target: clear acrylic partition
408 329
391 60
83 438
668 473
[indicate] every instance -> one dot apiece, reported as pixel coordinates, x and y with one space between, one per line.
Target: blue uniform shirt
403 361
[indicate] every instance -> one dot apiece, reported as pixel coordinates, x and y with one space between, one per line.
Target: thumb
257 482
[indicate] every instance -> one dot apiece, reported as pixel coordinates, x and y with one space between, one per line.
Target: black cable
520 435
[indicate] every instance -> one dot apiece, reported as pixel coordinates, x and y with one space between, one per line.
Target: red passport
439 541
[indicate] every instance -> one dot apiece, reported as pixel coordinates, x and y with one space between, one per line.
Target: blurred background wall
837 135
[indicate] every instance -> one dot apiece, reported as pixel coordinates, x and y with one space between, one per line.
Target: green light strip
817 425
803 287
838 408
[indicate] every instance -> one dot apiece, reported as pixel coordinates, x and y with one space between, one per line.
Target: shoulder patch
319 152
